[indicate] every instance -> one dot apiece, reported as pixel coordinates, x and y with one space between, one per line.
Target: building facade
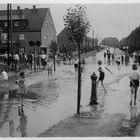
34 24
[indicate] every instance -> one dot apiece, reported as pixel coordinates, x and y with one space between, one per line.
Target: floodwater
55 99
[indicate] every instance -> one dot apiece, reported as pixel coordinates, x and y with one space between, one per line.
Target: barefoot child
134 83
102 74
22 87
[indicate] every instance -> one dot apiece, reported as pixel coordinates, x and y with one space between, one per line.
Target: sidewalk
111 117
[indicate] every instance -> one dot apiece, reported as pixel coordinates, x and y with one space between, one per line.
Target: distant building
62 40
34 24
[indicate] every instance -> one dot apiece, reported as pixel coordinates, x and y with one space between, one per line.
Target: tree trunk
79 81
54 62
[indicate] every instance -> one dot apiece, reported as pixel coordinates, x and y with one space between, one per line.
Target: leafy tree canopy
76 23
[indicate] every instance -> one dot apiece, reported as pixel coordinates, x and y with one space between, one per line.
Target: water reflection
12 128
22 128
133 114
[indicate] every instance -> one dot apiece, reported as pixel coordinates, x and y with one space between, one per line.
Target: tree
53 50
77 26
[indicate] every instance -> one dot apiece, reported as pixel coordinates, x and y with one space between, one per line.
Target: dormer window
16 23
5 24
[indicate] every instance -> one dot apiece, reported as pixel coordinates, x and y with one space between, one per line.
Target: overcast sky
107 20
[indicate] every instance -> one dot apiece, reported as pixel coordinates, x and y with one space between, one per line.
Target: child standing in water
22 86
102 74
134 83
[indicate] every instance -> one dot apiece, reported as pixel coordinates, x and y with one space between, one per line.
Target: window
16 23
21 36
5 24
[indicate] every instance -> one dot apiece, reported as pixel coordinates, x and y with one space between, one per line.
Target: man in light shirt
16 60
134 83
5 77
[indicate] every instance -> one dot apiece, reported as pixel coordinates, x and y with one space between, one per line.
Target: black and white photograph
69 69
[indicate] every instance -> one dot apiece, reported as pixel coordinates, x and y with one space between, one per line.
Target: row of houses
35 24
88 42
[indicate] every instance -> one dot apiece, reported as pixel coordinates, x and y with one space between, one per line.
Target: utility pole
8 34
93 39
11 33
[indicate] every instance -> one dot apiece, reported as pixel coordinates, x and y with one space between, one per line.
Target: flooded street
55 98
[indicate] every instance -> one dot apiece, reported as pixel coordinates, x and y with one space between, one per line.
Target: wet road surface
56 99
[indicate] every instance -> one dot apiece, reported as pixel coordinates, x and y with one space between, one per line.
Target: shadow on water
22 125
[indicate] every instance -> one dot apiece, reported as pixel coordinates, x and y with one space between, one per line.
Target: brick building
34 24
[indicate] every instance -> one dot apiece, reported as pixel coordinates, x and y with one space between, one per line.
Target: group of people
120 60
108 55
14 60
21 82
18 60
134 80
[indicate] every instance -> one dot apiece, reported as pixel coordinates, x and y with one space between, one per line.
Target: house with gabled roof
34 24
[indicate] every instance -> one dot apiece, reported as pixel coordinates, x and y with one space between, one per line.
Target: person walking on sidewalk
134 83
102 74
